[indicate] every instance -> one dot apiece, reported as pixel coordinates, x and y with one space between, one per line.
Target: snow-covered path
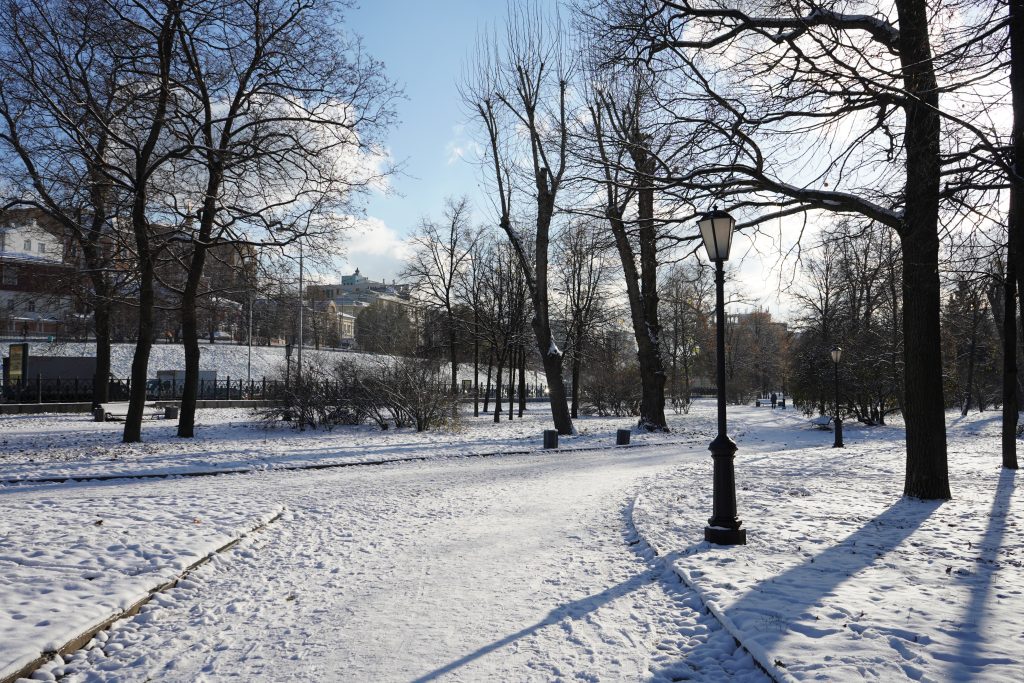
508 568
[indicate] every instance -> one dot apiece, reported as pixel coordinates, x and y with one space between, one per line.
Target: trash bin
98 415
622 437
550 438
170 412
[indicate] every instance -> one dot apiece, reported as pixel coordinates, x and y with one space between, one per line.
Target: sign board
19 363
467 385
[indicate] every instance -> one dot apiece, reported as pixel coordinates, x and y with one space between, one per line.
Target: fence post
39 387
228 392
202 387
264 394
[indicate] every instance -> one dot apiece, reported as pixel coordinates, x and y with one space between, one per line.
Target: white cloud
376 249
461 146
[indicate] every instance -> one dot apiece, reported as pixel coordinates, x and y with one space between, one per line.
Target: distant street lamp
724 527
837 353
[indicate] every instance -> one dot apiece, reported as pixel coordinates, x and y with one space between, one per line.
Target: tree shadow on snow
781 604
968 663
571 610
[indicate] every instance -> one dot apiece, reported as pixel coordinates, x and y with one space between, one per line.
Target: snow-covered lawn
55 446
843 579
527 567
69 563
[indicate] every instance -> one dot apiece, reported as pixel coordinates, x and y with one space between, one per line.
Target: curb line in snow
756 652
321 466
82 639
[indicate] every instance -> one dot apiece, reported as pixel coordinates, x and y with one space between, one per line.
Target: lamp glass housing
837 353
716 230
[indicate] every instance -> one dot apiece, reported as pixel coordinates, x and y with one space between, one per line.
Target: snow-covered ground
843 579
59 446
541 566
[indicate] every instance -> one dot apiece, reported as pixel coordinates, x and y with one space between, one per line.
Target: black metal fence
63 390
60 390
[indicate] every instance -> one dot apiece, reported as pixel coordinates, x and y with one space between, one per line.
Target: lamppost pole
724 527
837 353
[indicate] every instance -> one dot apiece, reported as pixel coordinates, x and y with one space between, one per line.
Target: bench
117 412
823 422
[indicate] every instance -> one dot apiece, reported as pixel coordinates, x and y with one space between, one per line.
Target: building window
42 248
10 276
28 245
31 306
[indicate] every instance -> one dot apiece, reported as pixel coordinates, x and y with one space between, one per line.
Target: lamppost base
722 536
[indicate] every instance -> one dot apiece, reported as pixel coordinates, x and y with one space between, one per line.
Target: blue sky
423 46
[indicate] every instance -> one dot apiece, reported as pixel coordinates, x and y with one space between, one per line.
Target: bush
404 392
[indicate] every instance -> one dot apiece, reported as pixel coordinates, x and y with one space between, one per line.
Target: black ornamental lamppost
724 527
837 353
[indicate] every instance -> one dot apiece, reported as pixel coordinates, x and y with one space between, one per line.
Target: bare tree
774 86
441 253
518 90
471 300
279 109
624 144
64 93
687 292
582 279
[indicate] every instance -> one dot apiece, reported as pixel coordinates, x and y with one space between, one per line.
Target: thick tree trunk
101 326
512 362
550 354
551 357
645 331
453 355
497 390
927 473
1015 230
143 344
190 339
1010 405
652 367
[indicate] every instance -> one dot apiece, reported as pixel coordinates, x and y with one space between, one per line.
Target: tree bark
144 341
512 385
927 475
452 345
550 354
190 339
101 327
576 367
645 328
1015 232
